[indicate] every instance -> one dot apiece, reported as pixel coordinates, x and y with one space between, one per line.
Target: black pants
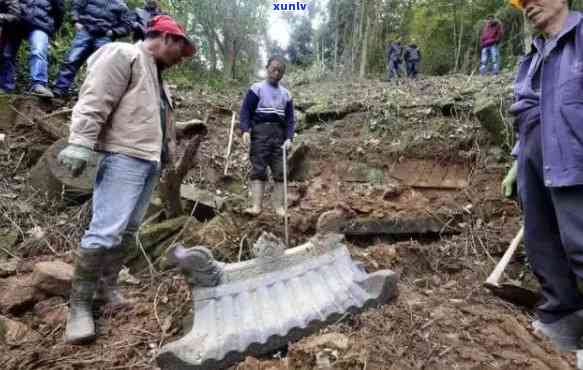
553 221
266 151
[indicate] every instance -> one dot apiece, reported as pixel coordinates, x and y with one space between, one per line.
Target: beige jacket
119 104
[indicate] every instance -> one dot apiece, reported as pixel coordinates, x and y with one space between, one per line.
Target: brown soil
443 317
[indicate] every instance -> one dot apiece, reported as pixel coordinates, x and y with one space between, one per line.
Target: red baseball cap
166 24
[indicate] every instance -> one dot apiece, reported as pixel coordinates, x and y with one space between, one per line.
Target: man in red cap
125 112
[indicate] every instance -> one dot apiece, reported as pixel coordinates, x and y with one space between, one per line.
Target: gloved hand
74 158
287 144
246 138
79 27
510 181
109 33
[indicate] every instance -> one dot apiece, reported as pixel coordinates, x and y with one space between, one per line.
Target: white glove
287 144
246 138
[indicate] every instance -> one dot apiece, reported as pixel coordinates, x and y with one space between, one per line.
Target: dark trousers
553 221
83 45
412 69
266 151
394 69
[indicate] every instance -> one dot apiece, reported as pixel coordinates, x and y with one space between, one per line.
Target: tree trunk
336 35
366 23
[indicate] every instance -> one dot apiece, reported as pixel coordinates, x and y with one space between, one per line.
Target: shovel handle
230 145
494 278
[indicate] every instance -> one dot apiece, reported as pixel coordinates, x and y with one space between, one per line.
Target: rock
14 333
207 204
3 142
8 268
52 311
154 239
298 164
7 114
57 183
489 110
53 278
7 241
18 295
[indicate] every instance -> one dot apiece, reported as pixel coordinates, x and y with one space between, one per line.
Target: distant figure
9 15
394 60
412 58
491 36
97 22
142 16
39 21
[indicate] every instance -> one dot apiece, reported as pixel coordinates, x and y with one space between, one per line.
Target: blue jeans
83 45
38 60
121 196
394 69
553 225
412 69
490 54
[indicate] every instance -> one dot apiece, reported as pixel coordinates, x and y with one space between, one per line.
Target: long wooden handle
494 278
230 145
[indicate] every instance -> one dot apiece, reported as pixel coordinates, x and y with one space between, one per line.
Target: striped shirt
267 103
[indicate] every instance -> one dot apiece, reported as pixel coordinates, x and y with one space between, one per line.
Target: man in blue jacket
142 17
39 20
549 118
394 59
97 22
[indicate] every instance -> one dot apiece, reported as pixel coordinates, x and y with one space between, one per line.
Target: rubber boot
108 291
80 325
277 198
257 189
565 333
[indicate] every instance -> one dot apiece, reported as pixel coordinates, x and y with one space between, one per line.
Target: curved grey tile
261 305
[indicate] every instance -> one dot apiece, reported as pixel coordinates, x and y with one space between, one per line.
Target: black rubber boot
80 325
108 291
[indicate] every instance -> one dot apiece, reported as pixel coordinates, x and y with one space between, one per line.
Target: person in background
268 124
9 16
97 22
142 16
412 58
39 21
394 59
490 38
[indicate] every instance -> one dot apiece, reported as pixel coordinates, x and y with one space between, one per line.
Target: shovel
510 292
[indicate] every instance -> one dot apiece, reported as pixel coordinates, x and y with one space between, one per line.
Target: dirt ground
416 161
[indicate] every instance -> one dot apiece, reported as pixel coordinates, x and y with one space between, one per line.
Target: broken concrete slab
53 278
490 112
56 182
337 221
8 268
261 305
14 333
207 204
431 174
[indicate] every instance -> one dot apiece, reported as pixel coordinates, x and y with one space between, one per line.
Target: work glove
246 138
74 158
79 27
287 144
510 181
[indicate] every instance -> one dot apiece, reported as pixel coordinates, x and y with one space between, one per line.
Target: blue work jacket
549 91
